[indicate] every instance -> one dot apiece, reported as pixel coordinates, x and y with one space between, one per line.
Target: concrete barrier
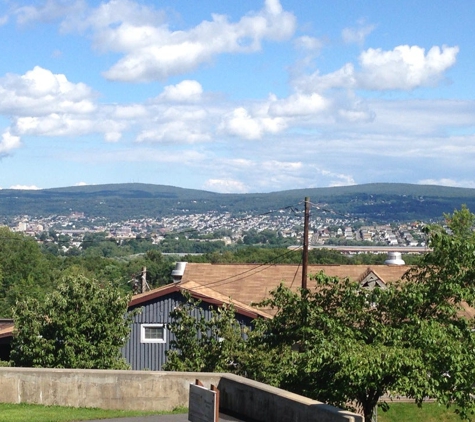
264 403
128 390
152 390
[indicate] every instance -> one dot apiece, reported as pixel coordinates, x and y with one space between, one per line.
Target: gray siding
152 356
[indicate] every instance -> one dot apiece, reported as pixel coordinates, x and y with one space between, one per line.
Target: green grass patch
409 412
37 413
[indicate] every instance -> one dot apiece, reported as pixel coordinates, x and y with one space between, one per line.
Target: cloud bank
362 115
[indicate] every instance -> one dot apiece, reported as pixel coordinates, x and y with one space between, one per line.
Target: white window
152 333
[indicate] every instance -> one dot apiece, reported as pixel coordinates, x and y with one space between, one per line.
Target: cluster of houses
215 285
75 226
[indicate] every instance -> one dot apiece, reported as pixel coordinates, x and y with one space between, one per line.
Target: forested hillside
373 202
28 270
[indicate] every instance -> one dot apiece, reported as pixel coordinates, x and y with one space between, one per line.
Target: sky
236 96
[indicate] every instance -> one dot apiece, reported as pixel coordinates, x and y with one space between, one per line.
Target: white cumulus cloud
344 77
8 143
25 187
174 131
40 92
53 125
225 186
154 52
48 11
241 123
308 43
448 182
112 136
357 35
43 103
130 111
299 104
405 67
109 15
185 91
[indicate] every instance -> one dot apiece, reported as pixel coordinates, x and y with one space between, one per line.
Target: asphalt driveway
166 418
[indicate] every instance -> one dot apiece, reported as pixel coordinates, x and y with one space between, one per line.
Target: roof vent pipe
178 272
394 258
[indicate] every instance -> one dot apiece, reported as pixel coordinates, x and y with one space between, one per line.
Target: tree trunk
369 407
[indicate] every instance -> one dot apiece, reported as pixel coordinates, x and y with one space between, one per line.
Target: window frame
143 338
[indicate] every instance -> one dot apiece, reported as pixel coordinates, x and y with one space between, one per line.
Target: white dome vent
178 272
394 258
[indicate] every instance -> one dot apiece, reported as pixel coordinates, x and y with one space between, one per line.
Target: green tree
344 345
139 244
159 268
93 239
82 324
112 270
349 346
24 270
327 256
200 345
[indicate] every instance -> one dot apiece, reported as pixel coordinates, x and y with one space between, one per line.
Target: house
150 337
218 284
214 285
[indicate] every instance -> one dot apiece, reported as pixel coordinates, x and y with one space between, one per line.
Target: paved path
165 418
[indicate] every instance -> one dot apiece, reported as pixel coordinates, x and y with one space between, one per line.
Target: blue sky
236 96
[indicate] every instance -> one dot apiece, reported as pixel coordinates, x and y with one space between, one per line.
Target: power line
295 275
233 278
289 207
318 207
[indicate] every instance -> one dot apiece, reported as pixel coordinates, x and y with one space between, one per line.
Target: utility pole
305 243
143 284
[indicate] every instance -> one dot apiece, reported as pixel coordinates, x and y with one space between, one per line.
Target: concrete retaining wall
151 390
128 390
263 403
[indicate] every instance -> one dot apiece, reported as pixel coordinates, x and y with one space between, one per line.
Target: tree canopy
205 345
28 269
23 268
82 324
345 345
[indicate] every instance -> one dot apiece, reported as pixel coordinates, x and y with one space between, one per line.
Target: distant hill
379 202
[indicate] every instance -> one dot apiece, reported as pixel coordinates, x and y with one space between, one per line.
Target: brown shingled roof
250 283
6 328
200 292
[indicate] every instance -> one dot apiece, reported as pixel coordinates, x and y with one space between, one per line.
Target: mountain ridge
372 201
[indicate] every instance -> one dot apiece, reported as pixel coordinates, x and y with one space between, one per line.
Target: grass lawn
36 413
406 412
409 412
